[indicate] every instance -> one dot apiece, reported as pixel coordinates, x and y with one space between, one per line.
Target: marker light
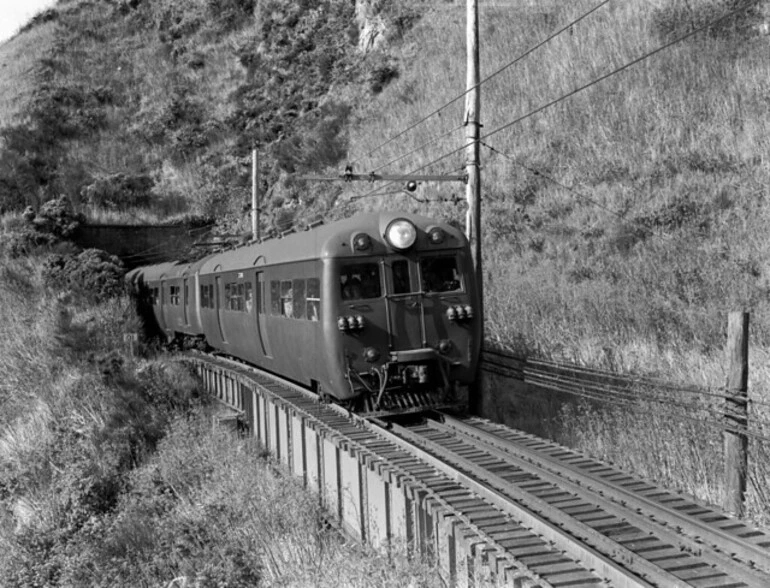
371 354
401 234
361 242
436 236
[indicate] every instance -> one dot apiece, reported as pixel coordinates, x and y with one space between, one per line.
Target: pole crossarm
351 177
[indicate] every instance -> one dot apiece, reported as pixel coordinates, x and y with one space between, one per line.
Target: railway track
491 504
662 537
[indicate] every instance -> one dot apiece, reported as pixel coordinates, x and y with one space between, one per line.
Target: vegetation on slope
161 102
112 474
620 225
629 217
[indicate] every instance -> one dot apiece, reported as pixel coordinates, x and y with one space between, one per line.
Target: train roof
325 241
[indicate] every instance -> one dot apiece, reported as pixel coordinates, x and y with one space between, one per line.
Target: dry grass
660 233
112 476
18 59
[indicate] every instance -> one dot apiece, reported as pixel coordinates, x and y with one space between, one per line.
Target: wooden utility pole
736 409
254 197
472 134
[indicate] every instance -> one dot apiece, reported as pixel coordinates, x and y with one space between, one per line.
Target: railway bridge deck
488 504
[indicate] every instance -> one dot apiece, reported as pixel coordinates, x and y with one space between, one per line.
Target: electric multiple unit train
369 310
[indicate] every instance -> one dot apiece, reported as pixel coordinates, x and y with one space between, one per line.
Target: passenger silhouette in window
352 289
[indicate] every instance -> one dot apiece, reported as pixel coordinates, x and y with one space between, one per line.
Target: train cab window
313 299
401 282
298 300
204 296
440 274
287 298
360 281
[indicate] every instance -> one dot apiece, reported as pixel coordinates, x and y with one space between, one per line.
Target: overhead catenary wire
550 179
494 74
579 89
419 148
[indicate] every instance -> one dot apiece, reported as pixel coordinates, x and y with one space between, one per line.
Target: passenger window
228 297
313 299
275 297
439 274
247 297
287 298
239 306
299 299
360 281
401 281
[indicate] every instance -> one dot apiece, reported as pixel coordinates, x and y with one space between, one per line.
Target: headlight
401 234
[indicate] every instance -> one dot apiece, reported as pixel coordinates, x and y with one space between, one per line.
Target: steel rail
750 552
575 538
624 504
243 370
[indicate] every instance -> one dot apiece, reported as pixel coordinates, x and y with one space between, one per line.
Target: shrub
119 191
381 73
56 218
93 274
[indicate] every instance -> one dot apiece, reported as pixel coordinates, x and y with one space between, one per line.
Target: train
375 312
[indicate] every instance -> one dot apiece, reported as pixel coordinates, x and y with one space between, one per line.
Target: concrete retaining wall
141 244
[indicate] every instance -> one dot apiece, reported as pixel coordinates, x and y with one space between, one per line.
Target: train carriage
367 307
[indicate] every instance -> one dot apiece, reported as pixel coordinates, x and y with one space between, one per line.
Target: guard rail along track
488 504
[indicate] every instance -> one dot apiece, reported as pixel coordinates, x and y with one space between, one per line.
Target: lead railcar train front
402 300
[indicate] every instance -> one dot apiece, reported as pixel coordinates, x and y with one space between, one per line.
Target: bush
119 191
46 229
56 218
94 275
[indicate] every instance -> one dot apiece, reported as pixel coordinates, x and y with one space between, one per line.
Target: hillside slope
621 223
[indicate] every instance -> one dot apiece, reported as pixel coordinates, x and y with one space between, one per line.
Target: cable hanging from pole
494 74
582 88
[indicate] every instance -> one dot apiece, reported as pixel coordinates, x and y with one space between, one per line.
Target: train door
220 306
164 305
442 286
407 323
264 344
185 302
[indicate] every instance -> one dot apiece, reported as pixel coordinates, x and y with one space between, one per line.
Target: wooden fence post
736 413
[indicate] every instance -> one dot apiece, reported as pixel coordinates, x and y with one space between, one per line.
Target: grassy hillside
111 473
621 224
629 217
